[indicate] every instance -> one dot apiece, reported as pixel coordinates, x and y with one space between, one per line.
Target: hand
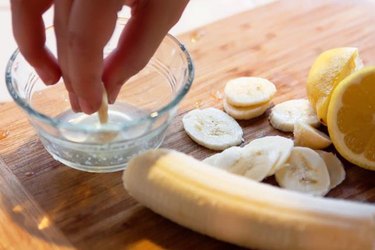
82 28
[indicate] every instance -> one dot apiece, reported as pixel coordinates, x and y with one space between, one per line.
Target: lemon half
351 118
328 70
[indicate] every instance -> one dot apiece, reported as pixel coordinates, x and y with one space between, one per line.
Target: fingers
74 102
29 32
61 21
90 26
139 40
82 29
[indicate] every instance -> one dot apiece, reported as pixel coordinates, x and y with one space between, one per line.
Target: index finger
29 32
145 30
91 24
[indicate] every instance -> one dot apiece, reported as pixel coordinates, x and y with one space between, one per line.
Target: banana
225 159
305 171
245 113
103 110
308 136
233 209
284 115
281 146
249 91
255 163
335 168
260 158
212 128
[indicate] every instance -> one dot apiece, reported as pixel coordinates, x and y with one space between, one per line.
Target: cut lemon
351 118
328 70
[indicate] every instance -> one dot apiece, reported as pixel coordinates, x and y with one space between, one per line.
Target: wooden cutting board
44 204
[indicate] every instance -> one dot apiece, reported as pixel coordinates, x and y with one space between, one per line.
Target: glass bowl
138 120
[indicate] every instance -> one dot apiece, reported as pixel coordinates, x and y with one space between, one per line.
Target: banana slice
249 91
280 145
335 168
308 136
260 158
255 163
212 128
245 113
305 172
225 159
103 110
284 115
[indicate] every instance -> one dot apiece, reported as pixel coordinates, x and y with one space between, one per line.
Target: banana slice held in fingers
245 113
305 172
249 91
212 128
335 168
284 115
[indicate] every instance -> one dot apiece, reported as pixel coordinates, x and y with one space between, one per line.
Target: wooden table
45 205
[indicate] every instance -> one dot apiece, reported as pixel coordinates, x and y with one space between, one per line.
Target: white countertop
197 13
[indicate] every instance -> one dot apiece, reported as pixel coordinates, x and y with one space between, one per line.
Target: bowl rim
55 122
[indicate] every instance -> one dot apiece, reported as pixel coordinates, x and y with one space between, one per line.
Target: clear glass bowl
138 120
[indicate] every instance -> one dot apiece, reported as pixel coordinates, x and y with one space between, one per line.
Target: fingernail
112 96
86 107
46 76
76 109
111 99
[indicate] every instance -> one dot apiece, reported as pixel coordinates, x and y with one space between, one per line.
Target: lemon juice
103 147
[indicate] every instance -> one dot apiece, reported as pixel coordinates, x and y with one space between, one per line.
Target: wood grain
18 211
93 211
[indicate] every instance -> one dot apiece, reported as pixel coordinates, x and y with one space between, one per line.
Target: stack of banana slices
298 165
248 97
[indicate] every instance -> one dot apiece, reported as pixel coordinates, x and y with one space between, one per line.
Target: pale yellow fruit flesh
245 113
351 118
103 110
328 70
238 210
308 136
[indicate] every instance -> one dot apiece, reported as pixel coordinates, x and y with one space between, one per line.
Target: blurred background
197 13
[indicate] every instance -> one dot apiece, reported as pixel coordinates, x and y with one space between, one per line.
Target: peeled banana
244 212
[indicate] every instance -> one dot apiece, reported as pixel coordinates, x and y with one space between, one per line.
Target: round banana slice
335 168
284 115
249 91
245 113
225 159
212 128
305 171
281 146
255 163
308 136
